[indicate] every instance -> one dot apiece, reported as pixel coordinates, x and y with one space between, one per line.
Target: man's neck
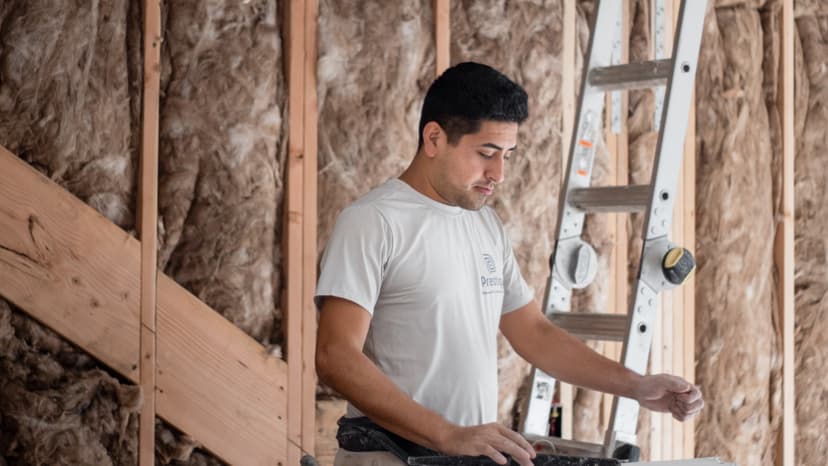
416 176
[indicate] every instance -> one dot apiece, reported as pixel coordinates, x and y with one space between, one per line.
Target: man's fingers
695 406
683 416
512 449
691 396
496 442
495 455
516 446
690 407
676 384
682 411
520 441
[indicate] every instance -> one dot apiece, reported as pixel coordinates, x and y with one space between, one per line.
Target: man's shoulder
386 200
376 197
372 208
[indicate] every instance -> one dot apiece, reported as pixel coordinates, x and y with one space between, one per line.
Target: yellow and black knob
677 265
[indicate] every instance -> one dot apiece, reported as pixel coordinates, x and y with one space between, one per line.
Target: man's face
467 173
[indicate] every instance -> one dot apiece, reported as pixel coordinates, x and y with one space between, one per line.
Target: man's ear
433 139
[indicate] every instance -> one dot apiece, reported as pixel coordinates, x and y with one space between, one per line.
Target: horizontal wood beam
78 273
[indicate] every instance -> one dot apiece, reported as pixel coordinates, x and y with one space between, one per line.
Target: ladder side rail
669 151
670 146
570 221
569 225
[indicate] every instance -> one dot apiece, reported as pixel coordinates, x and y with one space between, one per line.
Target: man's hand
667 393
490 440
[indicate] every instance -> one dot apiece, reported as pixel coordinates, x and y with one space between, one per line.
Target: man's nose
494 171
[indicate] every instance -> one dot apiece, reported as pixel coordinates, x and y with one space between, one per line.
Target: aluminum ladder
574 263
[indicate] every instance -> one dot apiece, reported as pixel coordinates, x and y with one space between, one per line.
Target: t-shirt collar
449 209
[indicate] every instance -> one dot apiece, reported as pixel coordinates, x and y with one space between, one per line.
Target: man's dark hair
469 93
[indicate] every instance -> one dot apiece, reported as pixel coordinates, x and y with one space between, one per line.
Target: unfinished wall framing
148 231
71 112
237 145
233 48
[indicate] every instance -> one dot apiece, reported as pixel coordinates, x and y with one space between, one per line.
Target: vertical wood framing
442 34
618 151
301 227
677 439
310 229
687 321
784 247
670 306
675 351
657 363
568 104
294 217
148 219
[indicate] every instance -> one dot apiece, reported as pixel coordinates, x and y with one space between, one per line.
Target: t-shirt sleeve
354 259
516 292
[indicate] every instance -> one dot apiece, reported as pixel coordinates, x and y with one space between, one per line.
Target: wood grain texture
216 383
72 269
49 240
617 146
293 222
784 246
327 413
148 221
568 120
309 226
442 34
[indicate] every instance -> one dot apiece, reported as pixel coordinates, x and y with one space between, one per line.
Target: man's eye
485 155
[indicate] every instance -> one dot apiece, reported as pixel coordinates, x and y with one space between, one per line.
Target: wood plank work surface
72 269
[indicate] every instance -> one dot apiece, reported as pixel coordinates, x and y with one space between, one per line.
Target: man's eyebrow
496 147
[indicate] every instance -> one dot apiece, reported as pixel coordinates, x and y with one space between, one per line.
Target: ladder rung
592 326
611 198
631 75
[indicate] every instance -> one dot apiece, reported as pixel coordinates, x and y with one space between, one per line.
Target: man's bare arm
341 364
565 357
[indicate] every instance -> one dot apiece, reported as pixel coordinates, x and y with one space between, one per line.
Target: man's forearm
354 376
576 363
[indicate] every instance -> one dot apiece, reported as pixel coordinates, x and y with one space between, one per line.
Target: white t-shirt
436 280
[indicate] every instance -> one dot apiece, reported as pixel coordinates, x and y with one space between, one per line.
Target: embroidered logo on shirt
491 284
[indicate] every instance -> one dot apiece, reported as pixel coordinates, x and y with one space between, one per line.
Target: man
417 278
